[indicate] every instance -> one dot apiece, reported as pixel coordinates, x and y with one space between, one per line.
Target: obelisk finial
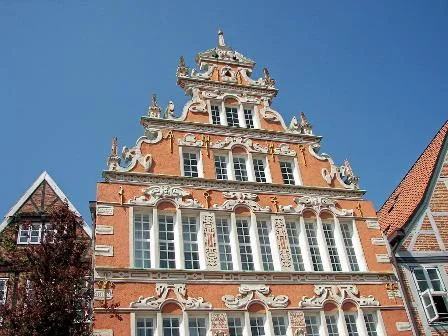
221 41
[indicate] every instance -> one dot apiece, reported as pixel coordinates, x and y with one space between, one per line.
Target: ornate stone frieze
162 290
250 292
336 294
297 322
317 204
218 324
210 247
281 236
190 140
233 199
344 174
203 75
229 142
284 149
154 194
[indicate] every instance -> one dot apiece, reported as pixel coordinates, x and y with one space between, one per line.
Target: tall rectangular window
332 325
347 235
260 175
235 326
190 240
197 326
350 322
257 326
331 246
3 290
371 324
294 244
221 167
310 228
239 166
287 172
312 325
232 116
190 164
145 326
249 118
30 234
265 246
242 229
223 236
280 325
166 241
171 326
216 118
142 229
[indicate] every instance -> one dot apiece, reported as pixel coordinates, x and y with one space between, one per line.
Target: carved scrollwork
176 194
267 112
162 290
203 75
249 293
233 199
337 294
197 104
284 149
229 142
316 203
190 140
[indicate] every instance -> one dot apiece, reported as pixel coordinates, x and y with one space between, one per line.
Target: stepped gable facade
24 225
225 220
415 220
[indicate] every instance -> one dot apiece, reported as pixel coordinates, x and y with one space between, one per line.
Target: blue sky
371 77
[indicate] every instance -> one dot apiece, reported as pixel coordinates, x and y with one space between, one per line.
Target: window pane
223 235
265 246
347 235
190 239
232 116
293 238
310 228
216 118
142 257
287 172
257 326
280 325
145 326
331 246
332 325
196 326
239 166
260 175
170 326
312 325
248 117
421 279
242 229
190 164
235 326
35 233
434 277
350 322
371 323
24 233
3 290
166 241
221 167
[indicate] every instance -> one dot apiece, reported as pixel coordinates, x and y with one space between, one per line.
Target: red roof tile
408 195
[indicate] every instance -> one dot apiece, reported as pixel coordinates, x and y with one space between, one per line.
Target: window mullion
223 114
178 241
258 263
250 167
269 328
342 327
307 260
155 250
322 246
234 245
341 246
362 329
241 120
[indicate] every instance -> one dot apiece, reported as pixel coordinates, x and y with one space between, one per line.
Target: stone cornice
251 133
253 187
200 276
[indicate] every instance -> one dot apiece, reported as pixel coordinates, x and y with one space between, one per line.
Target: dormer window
232 116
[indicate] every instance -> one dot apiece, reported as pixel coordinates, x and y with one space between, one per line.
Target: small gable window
3 290
30 233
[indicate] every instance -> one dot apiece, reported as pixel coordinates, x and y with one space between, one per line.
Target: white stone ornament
162 290
249 293
247 143
317 204
191 141
233 199
338 295
161 192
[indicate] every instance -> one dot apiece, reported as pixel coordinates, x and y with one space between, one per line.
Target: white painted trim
43 176
131 237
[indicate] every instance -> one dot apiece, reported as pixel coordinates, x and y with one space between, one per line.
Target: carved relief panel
210 244
281 236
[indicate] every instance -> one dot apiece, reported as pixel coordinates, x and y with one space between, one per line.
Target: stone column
278 223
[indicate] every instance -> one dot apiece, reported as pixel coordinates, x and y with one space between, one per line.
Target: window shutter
428 304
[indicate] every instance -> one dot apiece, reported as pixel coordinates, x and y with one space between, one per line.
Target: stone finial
305 125
169 111
182 69
268 80
113 151
221 41
154 109
113 161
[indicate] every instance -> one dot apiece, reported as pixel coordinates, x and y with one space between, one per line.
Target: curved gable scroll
180 291
338 295
155 194
234 199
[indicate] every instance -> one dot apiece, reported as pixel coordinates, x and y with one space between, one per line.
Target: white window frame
284 315
294 167
137 317
266 170
198 153
246 162
28 231
242 320
214 103
320 322
151 239
195 316
229 245
4 297
249 108
269 245
331 243
177 253
227 164
297 245
198 240
331 315
251 244
264 317
380 330
238 114
183 325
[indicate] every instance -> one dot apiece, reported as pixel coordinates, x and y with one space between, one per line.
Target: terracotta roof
408 195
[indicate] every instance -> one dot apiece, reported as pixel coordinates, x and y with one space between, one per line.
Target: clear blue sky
370 75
